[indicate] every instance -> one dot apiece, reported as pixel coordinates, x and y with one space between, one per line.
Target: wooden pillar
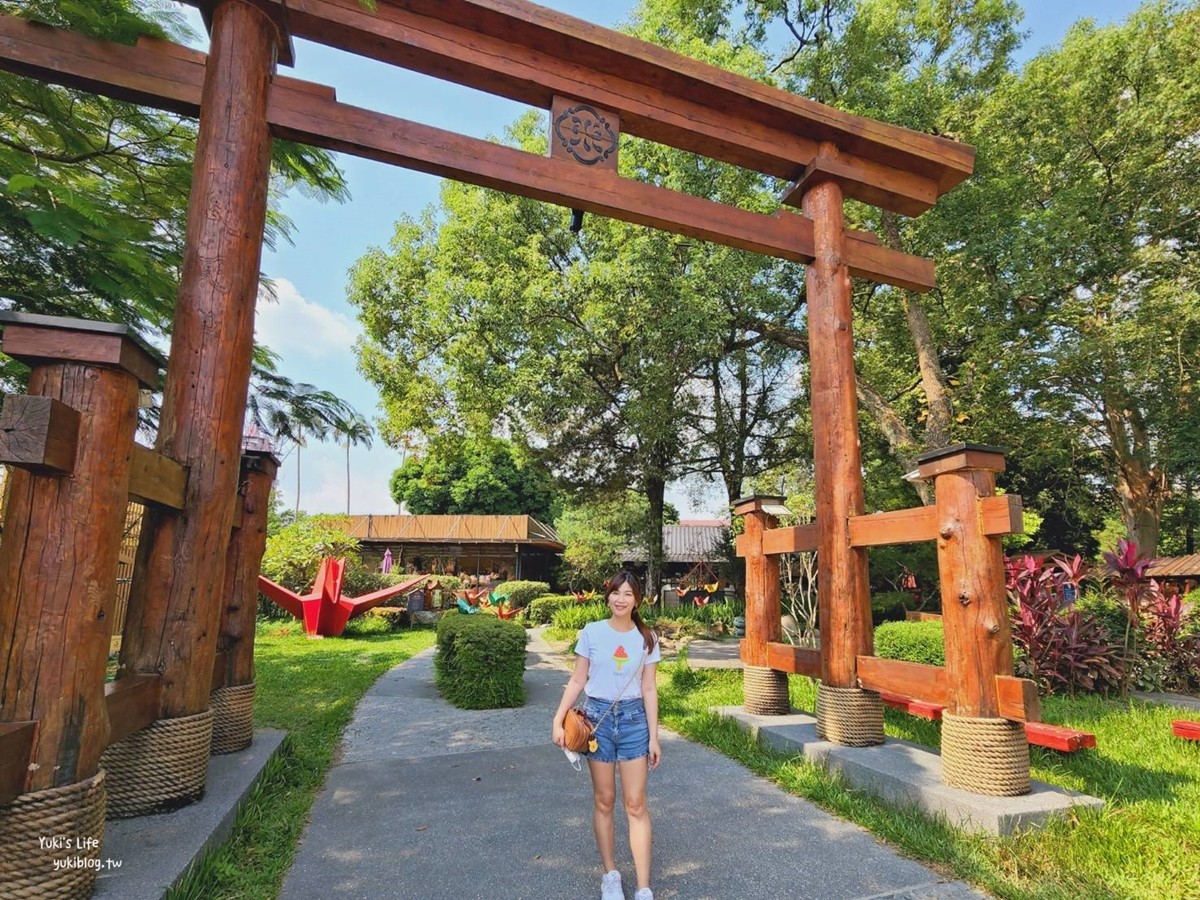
232 698
762 578
843 595
175 603
971 564
246 546
765 689
69 444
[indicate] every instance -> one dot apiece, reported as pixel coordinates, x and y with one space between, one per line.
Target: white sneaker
644 894
610 886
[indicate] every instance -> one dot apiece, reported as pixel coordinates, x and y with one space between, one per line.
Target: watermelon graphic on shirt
620 657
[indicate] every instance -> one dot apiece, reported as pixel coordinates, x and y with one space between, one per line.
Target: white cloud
292 325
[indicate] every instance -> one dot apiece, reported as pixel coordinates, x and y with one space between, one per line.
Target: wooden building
513 547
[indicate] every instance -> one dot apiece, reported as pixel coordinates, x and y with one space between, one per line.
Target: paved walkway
427 801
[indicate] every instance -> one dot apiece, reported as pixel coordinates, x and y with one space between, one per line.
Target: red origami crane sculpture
324 610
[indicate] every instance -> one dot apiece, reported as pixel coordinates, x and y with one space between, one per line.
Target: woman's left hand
655 755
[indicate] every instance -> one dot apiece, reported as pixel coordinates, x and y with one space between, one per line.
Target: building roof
399 529
685 543
1176 567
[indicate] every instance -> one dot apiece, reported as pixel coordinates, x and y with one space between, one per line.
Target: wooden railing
966 522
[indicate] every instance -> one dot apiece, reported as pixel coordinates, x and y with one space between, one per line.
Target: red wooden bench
1189 731
1053 737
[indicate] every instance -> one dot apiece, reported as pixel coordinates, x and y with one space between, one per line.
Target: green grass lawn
310 688
1145 843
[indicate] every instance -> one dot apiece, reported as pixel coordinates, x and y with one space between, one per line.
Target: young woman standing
615 665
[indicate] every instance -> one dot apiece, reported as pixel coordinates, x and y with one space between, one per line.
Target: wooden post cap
771 504
46 340
259 461
960 456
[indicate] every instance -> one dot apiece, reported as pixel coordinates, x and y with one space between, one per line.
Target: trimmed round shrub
521 593
540 610
480 661
888 607
919 642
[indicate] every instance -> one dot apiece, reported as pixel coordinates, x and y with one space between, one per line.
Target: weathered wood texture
52 339
999 516
235 642
16 745
155 478
58 575
529 54
762 583
842 590
971 571
916 681
38 434
133 703
1017 699
165 75
794 660
175 604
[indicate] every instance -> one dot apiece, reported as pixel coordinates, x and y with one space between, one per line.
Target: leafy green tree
599 534
473 476
1092 162
94 192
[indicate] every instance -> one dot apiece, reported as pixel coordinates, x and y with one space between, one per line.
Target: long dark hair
629 578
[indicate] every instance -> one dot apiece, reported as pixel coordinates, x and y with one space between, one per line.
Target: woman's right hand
558 735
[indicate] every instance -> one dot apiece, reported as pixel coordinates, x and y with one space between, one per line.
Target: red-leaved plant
1127 573
1176 652
1063 647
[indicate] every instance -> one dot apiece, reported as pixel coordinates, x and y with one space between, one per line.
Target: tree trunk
933 380
899 436
656 488
347 475
1140 485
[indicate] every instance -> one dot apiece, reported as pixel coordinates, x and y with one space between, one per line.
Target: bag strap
624 688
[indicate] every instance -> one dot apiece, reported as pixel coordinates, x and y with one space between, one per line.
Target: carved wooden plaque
584 133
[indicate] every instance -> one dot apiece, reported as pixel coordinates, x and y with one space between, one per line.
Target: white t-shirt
613 658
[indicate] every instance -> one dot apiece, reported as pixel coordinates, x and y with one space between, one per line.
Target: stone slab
702 654
153 852
905 774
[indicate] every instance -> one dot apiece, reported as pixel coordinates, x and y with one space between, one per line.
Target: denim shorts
624 734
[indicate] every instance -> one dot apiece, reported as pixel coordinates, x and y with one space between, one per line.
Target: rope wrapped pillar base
233 718
29 826
765 691
985 756
852 717
160 768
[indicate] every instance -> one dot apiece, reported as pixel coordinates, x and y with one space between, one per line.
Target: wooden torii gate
596 83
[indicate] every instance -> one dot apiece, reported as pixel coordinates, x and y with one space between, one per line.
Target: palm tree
356 430
292 411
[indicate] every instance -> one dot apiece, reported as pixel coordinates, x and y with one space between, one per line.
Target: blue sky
312 326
